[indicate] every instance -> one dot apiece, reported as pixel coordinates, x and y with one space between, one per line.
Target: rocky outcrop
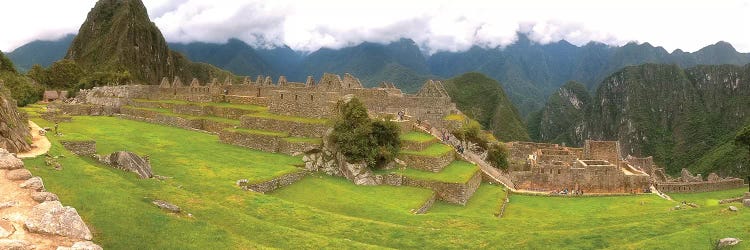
166 206
44 196
6 229
14 129
18 175
12 244
52 218
331 162
129 161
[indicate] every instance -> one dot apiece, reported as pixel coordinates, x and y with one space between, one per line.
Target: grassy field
456 172
330 212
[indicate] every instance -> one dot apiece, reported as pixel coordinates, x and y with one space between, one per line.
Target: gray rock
8 161
242 182
82 245
746 202
129 161
726 242
18 174
733 209
8 204
51 217
6 229
166 206
8 244
44 196
35 183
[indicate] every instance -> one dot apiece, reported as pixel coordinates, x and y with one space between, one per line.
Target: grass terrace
456 172
417 137
247 107
189 117
303 140
434 150
268 115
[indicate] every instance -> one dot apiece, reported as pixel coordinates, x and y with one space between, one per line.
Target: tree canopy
361 139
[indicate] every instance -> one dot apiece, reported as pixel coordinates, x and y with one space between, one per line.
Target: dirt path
40 144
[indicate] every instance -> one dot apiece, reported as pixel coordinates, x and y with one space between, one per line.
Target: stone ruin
598 168
595 168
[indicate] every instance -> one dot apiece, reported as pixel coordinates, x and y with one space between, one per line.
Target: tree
497 155
743 138
362 140
64 74
39 74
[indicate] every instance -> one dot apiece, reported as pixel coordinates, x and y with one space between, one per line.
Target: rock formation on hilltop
119 36
14 129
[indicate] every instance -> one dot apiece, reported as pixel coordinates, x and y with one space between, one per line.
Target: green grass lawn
330 212
709 198
417 137
268 115
434 150
304 139
456 172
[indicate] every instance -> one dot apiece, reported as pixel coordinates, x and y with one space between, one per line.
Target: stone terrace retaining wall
426 205
293 128
88 109
428 163
275 183
295 148
704 186
83 148
158 118
457 193
255 141
260 101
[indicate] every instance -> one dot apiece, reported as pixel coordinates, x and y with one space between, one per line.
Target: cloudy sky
436 25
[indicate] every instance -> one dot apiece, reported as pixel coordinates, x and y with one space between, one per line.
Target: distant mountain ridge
529 72
43 53
683 117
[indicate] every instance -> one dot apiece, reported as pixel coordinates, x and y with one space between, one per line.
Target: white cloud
440 25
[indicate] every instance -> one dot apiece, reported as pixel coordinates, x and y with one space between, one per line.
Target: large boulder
746 202
727 242
14 127
8 244
52 218
43 196
8 161
18 174
130 161
35 183
167 206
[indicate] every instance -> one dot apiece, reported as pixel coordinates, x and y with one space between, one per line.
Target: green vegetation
564 114
417 137
434 150
456 172
497 155
189 117
709 198
22 89
361 139
483 99
743 138
304 140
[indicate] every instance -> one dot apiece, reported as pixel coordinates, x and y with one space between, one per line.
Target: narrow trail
40 144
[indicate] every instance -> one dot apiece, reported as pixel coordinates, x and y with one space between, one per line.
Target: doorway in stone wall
258 92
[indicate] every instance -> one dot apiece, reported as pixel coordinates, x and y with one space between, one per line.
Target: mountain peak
119 36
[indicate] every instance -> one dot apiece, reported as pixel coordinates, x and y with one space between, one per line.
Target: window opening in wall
311 97
295 97
282 96
258 92
558 171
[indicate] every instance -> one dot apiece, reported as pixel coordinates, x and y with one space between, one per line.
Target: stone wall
291 127
296 148
703 186
602 150
456 193
590 179
275 183
83 148
428 163
426 205
87 109
254 141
